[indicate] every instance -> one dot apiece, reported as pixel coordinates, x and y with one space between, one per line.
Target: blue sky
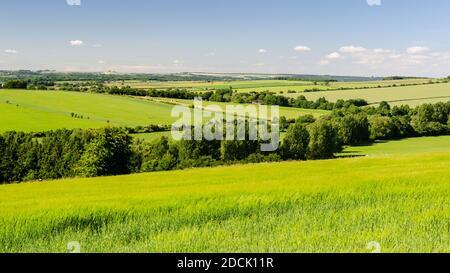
342 37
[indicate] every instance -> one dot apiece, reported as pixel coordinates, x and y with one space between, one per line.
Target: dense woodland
112 151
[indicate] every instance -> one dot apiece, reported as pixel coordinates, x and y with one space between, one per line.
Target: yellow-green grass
334 85
411 95
149 137
201 86
49 110
276 86
288 112
401 147
402 202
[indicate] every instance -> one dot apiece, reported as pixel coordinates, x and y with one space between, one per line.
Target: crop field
202 86
48 110
401 147
320 206
276 86
411 95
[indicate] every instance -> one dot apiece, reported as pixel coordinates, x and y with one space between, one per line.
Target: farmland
202 86
409 91
322 206
34 111
288 112
411 95
276 86
409 146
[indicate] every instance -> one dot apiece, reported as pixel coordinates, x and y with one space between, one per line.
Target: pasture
411 95
288 112
276 86
402 202
149 137
409 146
203 86
35 111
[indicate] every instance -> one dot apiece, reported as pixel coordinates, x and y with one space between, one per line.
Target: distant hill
185 76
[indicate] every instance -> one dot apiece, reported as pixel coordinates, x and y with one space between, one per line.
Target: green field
202 86
152 136
319 206
411 95
276 86
48 110
35 111
402 147
288 112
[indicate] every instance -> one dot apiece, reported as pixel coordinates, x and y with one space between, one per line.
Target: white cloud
417 49
302 48
374 3
352 49
11 51
333 56
382 50
262 50
73 2
101 62
76 43
178 63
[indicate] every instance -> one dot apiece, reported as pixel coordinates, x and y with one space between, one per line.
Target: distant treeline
308 79
107 77
229 95
111 151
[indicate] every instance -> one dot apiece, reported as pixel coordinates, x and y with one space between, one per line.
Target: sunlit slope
409 146
22 110
319 206
411 95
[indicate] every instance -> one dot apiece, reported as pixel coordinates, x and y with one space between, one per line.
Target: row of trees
358 125
34 84
111 151
64 153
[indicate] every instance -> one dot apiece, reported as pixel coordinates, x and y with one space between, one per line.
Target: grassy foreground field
320 206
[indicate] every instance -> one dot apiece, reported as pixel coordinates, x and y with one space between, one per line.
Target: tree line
112 151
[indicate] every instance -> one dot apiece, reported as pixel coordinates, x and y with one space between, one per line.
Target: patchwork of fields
276 86
402 202
419 90
411 95
396 193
